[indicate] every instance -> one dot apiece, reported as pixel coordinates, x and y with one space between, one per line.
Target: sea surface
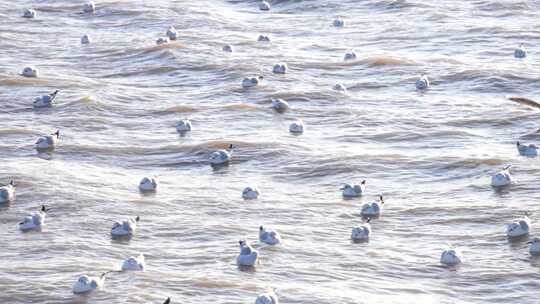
430 154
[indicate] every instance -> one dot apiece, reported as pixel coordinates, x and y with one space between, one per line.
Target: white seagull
422 83
134 263
29 13
451 256
48 142
248 256
86 284
527 150
221 157
7 192
34 220
353 191
125 228
45 101
502 178
520 52
269 236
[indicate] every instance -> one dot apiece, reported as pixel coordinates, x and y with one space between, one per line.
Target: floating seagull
34 220
183 126
280 68
263 38
87 284
451 256
422 83
134 263
339 22
29 13
45 101
125 228
89 7
339 87
373 209
251 82
520 52
534 246
148 185
48 142
297 127
162 40
85 39
353 191
221 157
7 192
350 56
29 72
248 256
268 236
362 232
267 298
264 6
280 105
227 48
172 33
527 150
250 193
519 227
502 178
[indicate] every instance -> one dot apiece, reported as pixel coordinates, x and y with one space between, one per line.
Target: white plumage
34 220
87 284
350 56
353 191
29 13
502 178
249 82
7 193
422 83
250 193
267 298
520 52
48 142
451 256
269 236
362 232
183 126
85 39
340 87
89 7
519 227
221 157
45 101
339 22
263 38
280 105
373 209
248 256
134 263
29 72
172 33
297 127
534 246
125 228
280 68
162 40
527 150
264 6
148 184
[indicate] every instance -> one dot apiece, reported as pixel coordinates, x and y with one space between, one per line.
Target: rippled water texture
429 153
